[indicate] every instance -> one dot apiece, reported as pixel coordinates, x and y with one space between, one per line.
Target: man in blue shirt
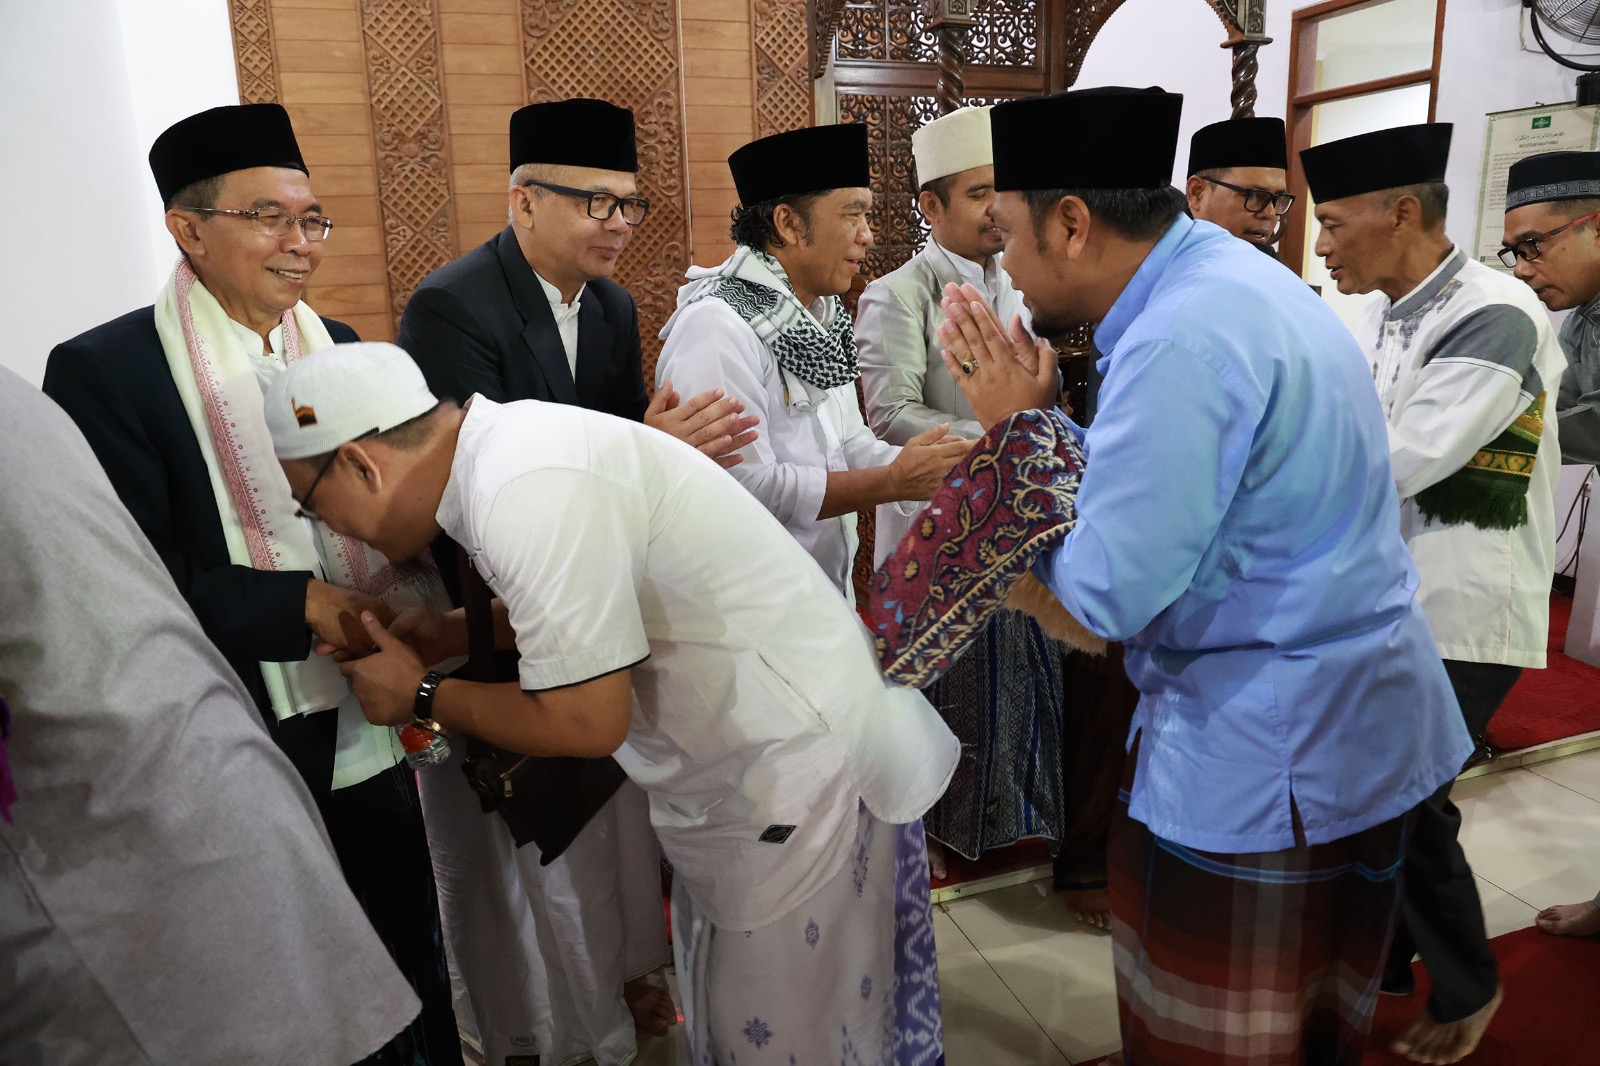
1237 529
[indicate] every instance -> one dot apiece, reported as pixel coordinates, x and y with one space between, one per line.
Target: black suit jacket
483 324
115 383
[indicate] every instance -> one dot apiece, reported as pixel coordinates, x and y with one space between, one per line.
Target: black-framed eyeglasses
1528 248
275 222
304 510
602 205
1256 200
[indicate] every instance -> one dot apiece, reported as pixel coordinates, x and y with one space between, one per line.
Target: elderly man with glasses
1238 178
1466 365
170 399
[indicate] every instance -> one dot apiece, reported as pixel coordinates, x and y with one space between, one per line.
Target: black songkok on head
1239 142
220 141
575 133
1106 138
1553 176
813 159
1387 159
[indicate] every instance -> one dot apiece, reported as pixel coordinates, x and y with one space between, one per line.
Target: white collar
984 277
252 340
562 311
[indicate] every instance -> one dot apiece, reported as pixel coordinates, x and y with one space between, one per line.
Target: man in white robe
768 326
661 614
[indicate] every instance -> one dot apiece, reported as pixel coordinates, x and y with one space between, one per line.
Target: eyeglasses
304 510
1528 248
602 205
1256 200
276 222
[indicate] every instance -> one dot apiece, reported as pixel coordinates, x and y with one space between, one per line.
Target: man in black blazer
169 398
533 314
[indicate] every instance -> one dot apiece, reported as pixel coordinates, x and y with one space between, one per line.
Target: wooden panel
335 149
705 147
721 91
708 119
299 87
475 59
735 11
479 29
326 4
704 33
717 63
341 300
315 24
351 237
709 175
479 147
352 210
479 207
476 233
784 95
322 56
343 181
480 118
502 89
329 118
370 327
254 51
477 6
480 177
349 269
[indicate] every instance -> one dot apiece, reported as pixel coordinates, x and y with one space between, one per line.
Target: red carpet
1018 856
1560 701
1548 1018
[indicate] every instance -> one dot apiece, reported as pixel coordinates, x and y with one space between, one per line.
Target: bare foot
652 1008
1442 1042
1570 919
936 866
1091 906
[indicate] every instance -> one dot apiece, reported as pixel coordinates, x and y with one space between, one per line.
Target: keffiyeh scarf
223 399
754 284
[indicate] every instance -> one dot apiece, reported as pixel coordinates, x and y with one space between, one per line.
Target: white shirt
904 381
267 365
1456 361
758 702
566 316
804 432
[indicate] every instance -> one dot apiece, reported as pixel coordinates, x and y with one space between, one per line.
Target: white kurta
759 706
1455 362
904 381
804 433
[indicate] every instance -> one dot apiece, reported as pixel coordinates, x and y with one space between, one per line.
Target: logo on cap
306 416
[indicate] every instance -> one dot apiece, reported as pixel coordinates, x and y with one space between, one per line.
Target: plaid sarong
1270 959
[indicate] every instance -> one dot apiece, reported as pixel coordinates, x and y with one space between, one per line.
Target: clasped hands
384 655
1001 371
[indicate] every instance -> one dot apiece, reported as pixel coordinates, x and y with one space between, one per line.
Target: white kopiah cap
333 396
953 143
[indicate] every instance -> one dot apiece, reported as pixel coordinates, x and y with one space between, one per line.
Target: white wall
87 85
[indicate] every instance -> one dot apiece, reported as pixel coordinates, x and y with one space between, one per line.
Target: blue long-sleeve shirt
1238 528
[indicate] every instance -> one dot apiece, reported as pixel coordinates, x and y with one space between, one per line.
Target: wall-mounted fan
1578 21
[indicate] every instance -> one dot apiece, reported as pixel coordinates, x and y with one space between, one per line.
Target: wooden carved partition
401 107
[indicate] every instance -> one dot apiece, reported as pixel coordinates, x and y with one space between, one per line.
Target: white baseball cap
333 396
952 143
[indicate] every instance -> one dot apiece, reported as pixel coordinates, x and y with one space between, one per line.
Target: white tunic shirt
1455 362
804 432
566 316
760 716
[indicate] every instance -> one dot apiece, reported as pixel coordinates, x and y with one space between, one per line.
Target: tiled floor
1024 985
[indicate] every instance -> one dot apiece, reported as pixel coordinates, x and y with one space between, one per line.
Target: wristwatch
422 706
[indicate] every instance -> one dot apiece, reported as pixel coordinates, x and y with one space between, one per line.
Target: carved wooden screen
886 69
